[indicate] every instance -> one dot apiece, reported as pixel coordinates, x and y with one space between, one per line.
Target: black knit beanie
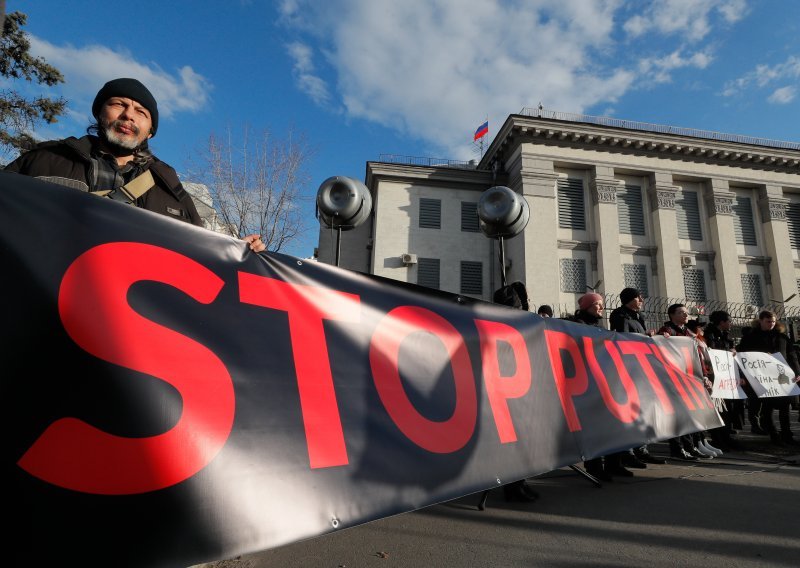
131 89
628 294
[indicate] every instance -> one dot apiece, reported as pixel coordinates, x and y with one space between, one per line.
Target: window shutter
430 213
751 287
694 284
428 272
743 225
571 206
469 216
630 210
573 275
687 212
793 221
635 276
472 278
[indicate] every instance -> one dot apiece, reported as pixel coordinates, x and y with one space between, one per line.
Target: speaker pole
502 261
343 203
338 244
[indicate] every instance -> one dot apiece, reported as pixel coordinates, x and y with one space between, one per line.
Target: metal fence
655 308
430 162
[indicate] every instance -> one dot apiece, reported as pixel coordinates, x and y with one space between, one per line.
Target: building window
428 272
571 206
630 210
573 275
635 276
743 225
469 217
751 287
430 213
793 222
687 211
694 284
472 278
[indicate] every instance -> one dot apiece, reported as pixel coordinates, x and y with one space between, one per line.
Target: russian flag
482 131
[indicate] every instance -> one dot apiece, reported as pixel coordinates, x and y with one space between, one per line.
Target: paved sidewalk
741 510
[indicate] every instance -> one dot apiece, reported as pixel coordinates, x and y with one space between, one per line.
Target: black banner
173 398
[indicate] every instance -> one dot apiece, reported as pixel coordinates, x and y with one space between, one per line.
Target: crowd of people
766 335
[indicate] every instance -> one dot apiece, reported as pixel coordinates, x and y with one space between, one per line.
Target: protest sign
726 375
768 375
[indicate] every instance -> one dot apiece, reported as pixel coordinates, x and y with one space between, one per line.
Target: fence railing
430 162
654 312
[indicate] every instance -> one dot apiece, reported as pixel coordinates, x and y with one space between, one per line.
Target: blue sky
361 78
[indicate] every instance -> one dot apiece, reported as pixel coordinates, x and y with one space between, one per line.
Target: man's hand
255 242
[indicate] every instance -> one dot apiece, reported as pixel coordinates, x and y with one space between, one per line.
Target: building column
668 271
727 274
537 247
772 206
603 189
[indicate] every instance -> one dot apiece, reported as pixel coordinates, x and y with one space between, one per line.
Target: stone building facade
676 212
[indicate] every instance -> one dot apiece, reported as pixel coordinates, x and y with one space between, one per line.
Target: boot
520 492
704 445
596 469
788 439
701 452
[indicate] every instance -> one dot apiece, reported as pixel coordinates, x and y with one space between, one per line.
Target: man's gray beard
118 144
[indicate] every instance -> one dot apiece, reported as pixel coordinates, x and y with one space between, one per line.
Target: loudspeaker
502 212
343 202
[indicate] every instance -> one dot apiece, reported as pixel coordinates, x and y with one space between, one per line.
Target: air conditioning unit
408 258
687 260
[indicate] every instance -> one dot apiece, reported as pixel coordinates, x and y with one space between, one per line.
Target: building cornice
519 129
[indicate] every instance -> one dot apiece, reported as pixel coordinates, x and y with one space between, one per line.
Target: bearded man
113 160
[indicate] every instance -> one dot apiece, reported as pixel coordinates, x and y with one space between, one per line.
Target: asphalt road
739 510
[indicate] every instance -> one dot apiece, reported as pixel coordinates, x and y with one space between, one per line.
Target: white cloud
309 83
658 69
688 18
86 69
437 69
763 75
783 95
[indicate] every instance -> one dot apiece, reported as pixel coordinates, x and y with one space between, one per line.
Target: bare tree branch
257 183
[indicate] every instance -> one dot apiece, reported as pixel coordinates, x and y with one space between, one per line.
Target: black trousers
783 405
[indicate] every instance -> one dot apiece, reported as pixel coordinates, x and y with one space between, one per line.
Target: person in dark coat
681 447
515 295
717 336
628 319
767 336
590 312
113 160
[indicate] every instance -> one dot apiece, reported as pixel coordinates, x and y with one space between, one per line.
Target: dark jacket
586 318
70 158
625 320
673 330
773 341
716 338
